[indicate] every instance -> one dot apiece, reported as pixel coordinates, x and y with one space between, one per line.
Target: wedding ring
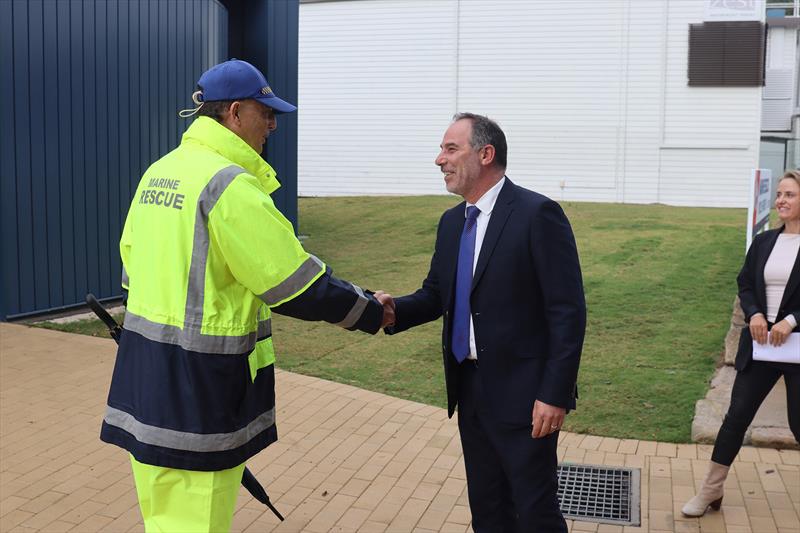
553 427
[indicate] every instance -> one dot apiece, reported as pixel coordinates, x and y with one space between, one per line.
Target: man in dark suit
505 275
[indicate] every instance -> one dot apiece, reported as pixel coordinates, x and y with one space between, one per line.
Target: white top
777 270
485 205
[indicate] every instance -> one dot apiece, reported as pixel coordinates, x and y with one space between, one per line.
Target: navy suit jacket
753 291
527 304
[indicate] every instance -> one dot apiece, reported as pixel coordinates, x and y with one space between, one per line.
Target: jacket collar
215 136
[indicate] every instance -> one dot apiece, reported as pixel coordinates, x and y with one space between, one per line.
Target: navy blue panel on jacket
229 402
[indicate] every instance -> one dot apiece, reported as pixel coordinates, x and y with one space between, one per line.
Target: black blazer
753 291
527 304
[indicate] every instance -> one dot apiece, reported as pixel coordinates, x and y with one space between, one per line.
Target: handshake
387 302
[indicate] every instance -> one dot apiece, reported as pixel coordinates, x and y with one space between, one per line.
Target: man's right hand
387 302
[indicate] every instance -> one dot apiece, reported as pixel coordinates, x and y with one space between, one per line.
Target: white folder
788 352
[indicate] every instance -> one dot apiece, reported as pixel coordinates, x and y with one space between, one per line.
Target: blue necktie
461 311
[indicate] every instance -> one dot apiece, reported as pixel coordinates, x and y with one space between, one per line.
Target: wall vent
727 54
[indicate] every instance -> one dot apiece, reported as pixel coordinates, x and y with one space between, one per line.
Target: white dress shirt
485 205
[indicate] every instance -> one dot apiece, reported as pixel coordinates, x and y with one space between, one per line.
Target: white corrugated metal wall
376 84
711 135
592 96
781 82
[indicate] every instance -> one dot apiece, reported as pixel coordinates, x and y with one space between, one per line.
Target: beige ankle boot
710 494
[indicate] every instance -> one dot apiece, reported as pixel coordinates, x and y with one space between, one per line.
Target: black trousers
750 388
511 477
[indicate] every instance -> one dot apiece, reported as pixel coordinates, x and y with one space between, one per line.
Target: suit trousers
750 388
511 477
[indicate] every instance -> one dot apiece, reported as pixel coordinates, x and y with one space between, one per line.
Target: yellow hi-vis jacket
206 258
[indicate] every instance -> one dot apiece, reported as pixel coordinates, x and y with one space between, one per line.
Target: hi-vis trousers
186 501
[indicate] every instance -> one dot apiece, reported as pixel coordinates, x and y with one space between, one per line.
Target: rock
720 388
773 437
732 338
707 420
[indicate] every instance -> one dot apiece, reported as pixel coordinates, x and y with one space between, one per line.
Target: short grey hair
486 131
215 110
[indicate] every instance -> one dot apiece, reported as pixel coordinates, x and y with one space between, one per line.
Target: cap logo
266 90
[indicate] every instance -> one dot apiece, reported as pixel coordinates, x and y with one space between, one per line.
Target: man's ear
231 117
487 155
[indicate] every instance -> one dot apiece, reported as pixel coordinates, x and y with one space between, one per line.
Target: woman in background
769 291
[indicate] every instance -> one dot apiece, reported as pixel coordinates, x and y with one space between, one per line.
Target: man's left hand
547 419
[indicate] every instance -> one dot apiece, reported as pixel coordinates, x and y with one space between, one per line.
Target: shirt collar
486 202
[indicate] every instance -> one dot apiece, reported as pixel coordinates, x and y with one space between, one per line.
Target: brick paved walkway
347 459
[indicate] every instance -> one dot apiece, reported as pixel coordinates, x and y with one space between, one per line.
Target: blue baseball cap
239 80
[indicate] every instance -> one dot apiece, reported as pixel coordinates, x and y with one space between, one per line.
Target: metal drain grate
599 494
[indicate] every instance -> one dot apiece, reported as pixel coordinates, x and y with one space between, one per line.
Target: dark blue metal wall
266 35
90 90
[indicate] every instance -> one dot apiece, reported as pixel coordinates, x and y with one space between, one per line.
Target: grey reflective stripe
356 311
264 328
296 281
195 292
125 280
189 442
193 340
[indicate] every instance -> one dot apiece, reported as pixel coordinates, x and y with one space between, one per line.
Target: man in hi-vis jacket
207 258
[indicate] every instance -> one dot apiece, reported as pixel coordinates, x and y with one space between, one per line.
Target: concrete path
348 459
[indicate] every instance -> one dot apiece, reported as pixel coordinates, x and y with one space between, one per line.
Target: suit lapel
763 255
453 225
793 283
502 209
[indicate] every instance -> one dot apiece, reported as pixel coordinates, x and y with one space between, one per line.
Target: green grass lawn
660 284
